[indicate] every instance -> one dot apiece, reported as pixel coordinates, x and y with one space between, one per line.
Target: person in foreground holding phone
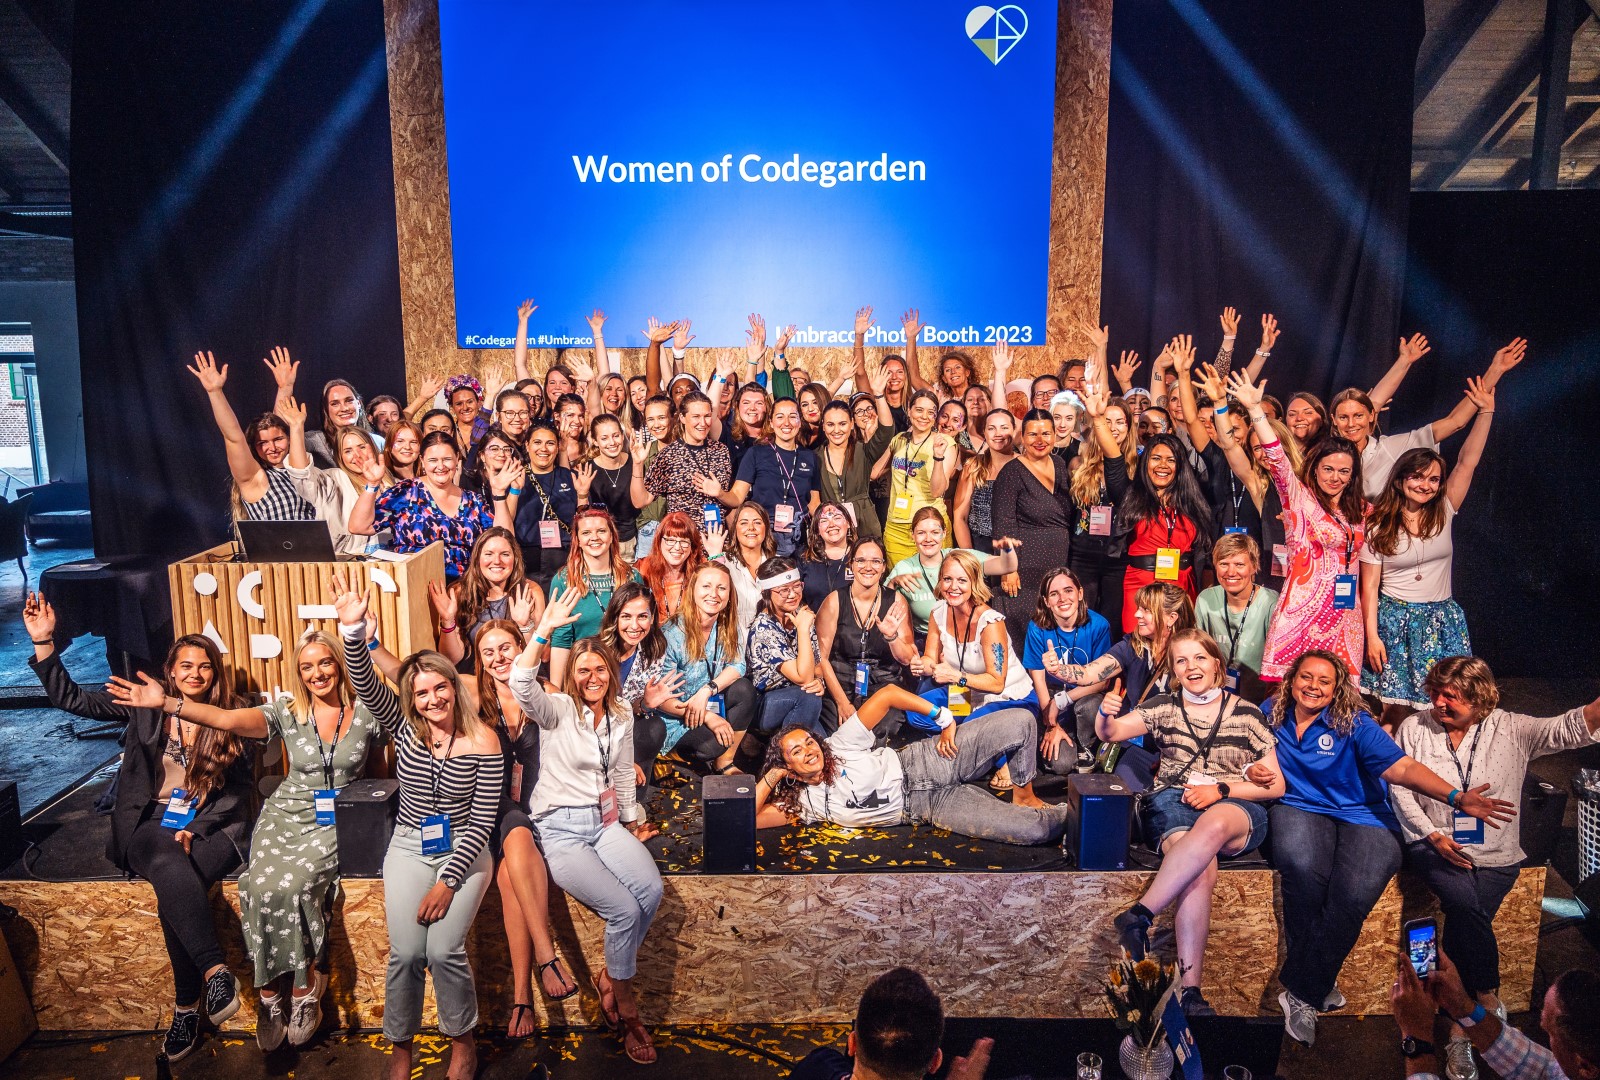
1567 1016
1470 741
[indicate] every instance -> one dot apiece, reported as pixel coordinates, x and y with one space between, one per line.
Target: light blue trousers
610 872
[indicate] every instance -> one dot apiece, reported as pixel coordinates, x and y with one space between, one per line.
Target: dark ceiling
1477 119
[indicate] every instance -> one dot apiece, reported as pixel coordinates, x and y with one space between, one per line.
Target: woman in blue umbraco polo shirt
1335 841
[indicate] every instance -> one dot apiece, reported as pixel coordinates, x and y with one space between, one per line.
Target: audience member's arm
1269 338
1230 334
247 471
524 310
1460 481
912 325
1412 349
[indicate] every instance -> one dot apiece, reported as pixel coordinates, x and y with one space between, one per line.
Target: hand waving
283 369
1414 348
1510 356
1230 322
863 321
351 605
525 309
212 378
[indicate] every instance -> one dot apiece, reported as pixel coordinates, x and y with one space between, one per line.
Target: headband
788 577
456 382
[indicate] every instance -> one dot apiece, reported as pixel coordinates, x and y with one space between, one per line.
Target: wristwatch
962 682
1413 1047
1223 789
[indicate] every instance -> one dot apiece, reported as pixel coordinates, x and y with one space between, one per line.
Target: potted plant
1135 991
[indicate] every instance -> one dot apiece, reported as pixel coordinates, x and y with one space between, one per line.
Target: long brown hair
578 569
1351 504
1161 599
1342 711
569 681
489 710
1386 522
786 796
464 716
213 750
1043 617
727 624
472 594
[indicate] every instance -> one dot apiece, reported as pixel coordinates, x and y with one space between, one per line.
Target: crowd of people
877 593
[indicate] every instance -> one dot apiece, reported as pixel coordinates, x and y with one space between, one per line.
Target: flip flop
553 965
513 1022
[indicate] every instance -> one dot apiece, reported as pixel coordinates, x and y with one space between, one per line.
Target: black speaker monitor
729 808
1099 813
364 816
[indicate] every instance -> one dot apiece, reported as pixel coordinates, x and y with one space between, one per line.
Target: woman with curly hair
823 565
1335 840
1163 520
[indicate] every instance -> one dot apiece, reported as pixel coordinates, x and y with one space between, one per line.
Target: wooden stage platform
760 948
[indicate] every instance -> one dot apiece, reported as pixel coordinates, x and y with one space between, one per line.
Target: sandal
637 1043
1001 780
610 1017
513 1022
552 966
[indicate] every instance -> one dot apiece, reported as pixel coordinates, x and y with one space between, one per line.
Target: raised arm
1158 379
524 310
242 464
1269 338
912 324
284 371
371 691
1095 403
1183 361
1458 417
1000 361
39 619
1230 334
293 413
680 344
1238 458
1412 349
1127 365
656 333
858 351
1113 728
428 387
1099 339
1481 394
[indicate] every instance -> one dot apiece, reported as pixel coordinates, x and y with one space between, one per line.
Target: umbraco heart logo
996 31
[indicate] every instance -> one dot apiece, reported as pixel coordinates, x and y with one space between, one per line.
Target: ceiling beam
1550 110
53 20
57 227
45 131
1452 38
1496 110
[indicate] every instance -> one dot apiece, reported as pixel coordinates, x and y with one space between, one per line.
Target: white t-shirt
745 590
1418 573
1382 451
968 657
870 786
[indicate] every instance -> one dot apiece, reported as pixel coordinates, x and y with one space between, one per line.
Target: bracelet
540 639
780 356
500 498
178 712
1450 799
513 491
46 641
372 646
938 458
529 629
447 628
1263 352
369 488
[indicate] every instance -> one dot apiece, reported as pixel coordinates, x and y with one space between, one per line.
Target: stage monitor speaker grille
1099 813
364 815
729 807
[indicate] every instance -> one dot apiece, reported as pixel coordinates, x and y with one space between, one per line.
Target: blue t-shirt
779 476
1135 674
1340 776
1088 642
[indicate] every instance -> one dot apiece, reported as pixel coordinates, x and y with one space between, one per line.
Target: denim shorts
1166 813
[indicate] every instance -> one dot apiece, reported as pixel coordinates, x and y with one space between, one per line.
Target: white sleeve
852 735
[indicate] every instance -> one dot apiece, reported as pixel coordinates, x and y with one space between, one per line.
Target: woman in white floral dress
294 857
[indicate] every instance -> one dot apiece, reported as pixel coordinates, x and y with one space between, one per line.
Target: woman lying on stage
843 780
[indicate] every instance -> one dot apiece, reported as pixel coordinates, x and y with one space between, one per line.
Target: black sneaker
182 1036
1133 933
222 997
1195 1005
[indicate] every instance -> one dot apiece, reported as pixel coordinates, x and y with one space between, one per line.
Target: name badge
958 703
713 516
1167 564
1344 592
1240 529
180 810
783 517
901 509
863 675
1231 679
608 807
549 534
1468 830
516 781
1200 779
850 509
322 804
436 835
1099 521
715 705
1280 560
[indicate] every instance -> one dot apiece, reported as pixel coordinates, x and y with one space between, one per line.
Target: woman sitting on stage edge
1201 806
182 815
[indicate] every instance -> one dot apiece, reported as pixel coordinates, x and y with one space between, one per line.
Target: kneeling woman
437 868
585 808
182 815
1201 806
842 779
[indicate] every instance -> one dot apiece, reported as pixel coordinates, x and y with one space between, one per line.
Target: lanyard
865 624
435 768
961 646
1349 540
711 671
1233 634
1472 752
933 591
326 754
1169 518
912 454
548 512
1237 493
788 473
182 756
604 746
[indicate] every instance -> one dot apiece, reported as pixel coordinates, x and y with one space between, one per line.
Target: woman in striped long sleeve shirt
438 866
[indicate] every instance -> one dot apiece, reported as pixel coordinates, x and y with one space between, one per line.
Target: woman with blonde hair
334 492
1090 555
974 505
587 813
438 864
294 853
715 703
1143 658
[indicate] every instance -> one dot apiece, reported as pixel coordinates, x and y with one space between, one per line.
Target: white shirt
570 759
968 656
869 788
1382 451
1418 572
744 588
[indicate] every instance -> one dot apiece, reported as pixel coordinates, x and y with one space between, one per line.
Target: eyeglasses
676 541
518 414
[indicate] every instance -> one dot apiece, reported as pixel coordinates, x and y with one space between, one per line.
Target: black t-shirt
824 1063
613 489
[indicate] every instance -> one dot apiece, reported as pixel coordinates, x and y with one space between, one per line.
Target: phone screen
1422 948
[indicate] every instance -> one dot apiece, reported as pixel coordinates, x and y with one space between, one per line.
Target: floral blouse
417 521
771 645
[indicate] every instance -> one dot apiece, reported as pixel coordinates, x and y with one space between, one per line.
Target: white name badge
549 534
1467 829
901 508
850 508
1280 560
1200 779
1344 592
322 805
436 834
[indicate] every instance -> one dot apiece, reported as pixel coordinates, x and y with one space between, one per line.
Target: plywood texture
422 197
774 948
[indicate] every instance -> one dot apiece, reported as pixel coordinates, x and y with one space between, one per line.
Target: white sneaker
269 1024
1299 1019
1334 1001
305 1013
1458 1063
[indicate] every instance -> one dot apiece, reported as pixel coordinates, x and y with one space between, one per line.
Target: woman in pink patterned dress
1323 518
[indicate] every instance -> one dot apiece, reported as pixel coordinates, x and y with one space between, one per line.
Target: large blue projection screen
706 160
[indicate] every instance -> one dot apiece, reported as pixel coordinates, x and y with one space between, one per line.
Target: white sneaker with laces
269 1024
1299 1019
305 1013
1458 1063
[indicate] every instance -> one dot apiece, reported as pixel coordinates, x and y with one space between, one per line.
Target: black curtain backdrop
1259 155
1486 267
233 189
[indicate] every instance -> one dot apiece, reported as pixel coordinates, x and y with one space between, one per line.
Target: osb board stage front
764 948
427 266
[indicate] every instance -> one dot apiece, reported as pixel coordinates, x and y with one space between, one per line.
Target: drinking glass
1236 1072
1088 1066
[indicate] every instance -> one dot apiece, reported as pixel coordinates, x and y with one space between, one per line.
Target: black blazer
229 811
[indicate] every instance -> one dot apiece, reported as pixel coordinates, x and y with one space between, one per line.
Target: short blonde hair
974 571
1231 544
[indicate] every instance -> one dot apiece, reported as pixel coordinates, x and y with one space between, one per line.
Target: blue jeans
938 791
609 872
1166 813
1333 873
645 539
790 704
938 695
1469 899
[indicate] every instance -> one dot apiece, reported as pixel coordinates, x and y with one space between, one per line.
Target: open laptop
286 541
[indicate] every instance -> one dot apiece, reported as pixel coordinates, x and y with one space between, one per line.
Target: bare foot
1024 796
400 1061
463 1057
521 1024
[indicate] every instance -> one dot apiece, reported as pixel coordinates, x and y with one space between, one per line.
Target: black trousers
1469 900
1102 576
183 883
701 743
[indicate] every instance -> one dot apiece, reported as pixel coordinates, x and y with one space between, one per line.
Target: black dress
1042 520
854 643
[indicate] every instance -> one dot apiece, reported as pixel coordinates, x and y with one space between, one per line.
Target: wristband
1450 799
1474 1018
372 646
46 641
351 632
677 353
178 714
370 488
938 458
1263 352
500 498
513 491
447 628
780 356
1219 410
540 639
945 721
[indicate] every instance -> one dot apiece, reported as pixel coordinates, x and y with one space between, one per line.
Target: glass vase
1145 1063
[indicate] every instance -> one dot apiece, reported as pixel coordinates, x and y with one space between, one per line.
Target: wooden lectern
256 612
